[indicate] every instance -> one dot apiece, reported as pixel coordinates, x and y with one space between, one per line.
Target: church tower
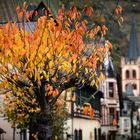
130 64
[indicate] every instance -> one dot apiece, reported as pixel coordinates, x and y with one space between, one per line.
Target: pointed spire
133 48
109 68
111 71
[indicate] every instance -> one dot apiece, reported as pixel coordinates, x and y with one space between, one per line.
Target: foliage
59 119
37 65
109 13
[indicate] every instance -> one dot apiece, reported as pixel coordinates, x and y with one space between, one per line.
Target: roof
88 94
2 131
40 10
109 68
8 8
133 48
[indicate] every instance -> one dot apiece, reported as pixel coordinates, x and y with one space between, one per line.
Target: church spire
133 48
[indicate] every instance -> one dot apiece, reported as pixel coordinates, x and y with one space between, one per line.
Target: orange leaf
20 15
91 112
89 11
18 9
85 110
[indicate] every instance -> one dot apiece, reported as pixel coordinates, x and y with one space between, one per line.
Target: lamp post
131 118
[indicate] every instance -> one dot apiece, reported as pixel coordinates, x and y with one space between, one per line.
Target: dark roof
133 48
40 10
2 131
108 68
8 8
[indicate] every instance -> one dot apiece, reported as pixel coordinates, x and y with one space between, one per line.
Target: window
95 134
134 86
111 110
99 133
80 134
127 74
111 89
75 134
134 73
126 123
111 115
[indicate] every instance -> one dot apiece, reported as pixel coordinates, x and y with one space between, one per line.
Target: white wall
87 126
9 131
131 66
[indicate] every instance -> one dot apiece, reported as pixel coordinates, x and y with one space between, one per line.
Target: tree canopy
37 65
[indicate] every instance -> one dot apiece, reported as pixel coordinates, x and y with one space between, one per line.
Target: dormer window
134 73
127 74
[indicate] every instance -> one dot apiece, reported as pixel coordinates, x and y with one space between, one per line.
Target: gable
8 8
90 95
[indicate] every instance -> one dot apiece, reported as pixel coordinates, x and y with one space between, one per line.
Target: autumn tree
37 65
109 13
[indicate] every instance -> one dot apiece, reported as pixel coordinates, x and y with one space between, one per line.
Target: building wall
86 125
80 121
130 66
109 120
109 102
7 126
9 130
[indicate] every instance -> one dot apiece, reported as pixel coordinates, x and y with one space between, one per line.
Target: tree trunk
41 125
44 121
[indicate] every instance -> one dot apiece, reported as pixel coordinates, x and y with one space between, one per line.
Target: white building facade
109 103
130 70
80 126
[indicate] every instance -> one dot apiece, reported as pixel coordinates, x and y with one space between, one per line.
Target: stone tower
130 64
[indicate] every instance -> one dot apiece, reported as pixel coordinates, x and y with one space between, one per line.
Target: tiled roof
8 8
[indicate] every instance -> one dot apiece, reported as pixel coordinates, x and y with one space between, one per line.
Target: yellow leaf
51 64
102 76
92 83
83 81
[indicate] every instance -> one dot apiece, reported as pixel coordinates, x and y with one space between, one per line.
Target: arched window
80 134
127 74
134 73
134 86
75 134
